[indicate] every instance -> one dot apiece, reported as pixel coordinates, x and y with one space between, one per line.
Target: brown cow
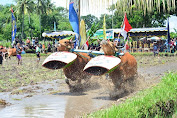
126 70
75 71
11 52
4 53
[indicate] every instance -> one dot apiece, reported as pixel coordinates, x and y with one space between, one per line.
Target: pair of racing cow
126 70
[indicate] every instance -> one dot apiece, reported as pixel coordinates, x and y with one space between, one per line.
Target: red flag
12 10
126 27
86 45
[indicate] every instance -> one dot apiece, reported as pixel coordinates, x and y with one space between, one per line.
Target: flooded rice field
31 91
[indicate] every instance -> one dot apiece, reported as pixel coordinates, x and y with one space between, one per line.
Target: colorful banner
82 33
126 27
74 18
104 29
14 27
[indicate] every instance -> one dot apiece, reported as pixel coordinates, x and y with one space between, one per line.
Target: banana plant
92 30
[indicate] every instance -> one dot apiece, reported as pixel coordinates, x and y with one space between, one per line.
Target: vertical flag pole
121 28
55 29
168 35
126 28
112 14
79 23
14 27
104 28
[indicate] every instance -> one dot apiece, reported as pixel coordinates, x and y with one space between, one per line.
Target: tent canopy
155 38
61 34
161 31
135 32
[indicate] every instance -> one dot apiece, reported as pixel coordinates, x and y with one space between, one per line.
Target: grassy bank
34 54
159 101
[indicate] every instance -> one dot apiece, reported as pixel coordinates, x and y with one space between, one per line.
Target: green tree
138 19
89 20
173 34
108 21
31 24
43 7
23 7
5 22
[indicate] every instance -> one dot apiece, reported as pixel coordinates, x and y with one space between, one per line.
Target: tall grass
159 101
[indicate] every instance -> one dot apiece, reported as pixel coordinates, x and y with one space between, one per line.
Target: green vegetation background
36 16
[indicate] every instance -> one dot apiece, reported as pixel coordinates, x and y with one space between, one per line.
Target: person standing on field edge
1 57
43 48
19 51
28 42
38 53
155 49
33 41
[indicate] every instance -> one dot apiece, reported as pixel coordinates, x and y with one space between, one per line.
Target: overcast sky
173 19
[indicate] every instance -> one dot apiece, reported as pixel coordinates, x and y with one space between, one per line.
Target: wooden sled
102 64
59 60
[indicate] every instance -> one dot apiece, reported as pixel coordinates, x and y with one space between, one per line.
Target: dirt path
52 98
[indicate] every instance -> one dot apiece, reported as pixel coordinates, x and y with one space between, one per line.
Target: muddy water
55 103
36 107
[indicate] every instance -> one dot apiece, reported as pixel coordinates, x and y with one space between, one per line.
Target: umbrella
61 34
142 39
155 38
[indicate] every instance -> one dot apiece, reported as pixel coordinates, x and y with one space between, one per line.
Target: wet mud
51 98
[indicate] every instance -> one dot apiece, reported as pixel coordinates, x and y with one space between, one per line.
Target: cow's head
65 45
108 47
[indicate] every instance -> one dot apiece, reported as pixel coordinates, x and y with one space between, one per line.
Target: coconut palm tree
43 7
49 6
23 7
